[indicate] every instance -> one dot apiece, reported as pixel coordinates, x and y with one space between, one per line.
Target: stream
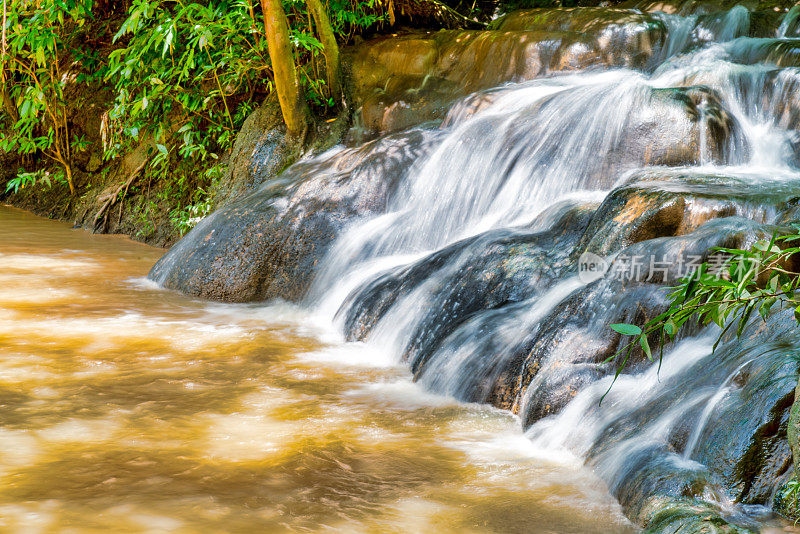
128 408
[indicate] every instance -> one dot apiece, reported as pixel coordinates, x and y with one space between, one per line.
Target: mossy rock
665 515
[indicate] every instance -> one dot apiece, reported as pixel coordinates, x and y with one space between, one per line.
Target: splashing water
505 158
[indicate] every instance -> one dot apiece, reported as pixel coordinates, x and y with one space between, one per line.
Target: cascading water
468 271
529 147
534 143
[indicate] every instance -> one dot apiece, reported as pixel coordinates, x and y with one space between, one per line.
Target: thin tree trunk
329 46
68 171
5 94
293 106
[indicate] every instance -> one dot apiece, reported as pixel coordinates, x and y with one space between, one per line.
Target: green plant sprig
753 280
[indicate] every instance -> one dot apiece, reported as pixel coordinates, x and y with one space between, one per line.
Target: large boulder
656 203
404 80
267 244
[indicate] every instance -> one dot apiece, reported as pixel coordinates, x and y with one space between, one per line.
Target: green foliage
30 179
787 500
728 291
183 75
188 71
187 218
34 48
507 6
187 75
146 214
183 72
791 491
201 202
348 18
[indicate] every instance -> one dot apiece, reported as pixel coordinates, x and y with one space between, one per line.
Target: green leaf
669 327
168 41
744 318
627 329
646 347
765 307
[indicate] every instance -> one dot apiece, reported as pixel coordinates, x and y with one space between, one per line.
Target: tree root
101 219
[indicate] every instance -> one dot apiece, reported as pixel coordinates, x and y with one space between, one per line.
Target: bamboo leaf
646 347
626 329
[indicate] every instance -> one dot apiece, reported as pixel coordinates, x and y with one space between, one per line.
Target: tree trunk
293 106
5 94
329 46
68 172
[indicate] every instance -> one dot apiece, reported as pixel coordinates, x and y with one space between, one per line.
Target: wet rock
654 127
581 19
623 36
260 152
681 126
480 273
771 51
405 80
773 94
736 401
782 96
650 469
266 244
688 7
746 441
574 344
662 514
659 203
407 101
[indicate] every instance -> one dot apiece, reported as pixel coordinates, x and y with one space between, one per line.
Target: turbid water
128 408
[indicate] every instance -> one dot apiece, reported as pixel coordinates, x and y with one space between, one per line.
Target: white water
530 146
539 140
712 403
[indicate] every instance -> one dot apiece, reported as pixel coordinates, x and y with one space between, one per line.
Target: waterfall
509 163
715 399
497 172
630 146
788 27
530 144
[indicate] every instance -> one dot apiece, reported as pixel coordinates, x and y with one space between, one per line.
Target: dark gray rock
267 244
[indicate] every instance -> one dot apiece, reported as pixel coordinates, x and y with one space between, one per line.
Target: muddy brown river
127 408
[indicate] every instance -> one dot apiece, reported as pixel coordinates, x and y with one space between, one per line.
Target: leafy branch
33 96
726 291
